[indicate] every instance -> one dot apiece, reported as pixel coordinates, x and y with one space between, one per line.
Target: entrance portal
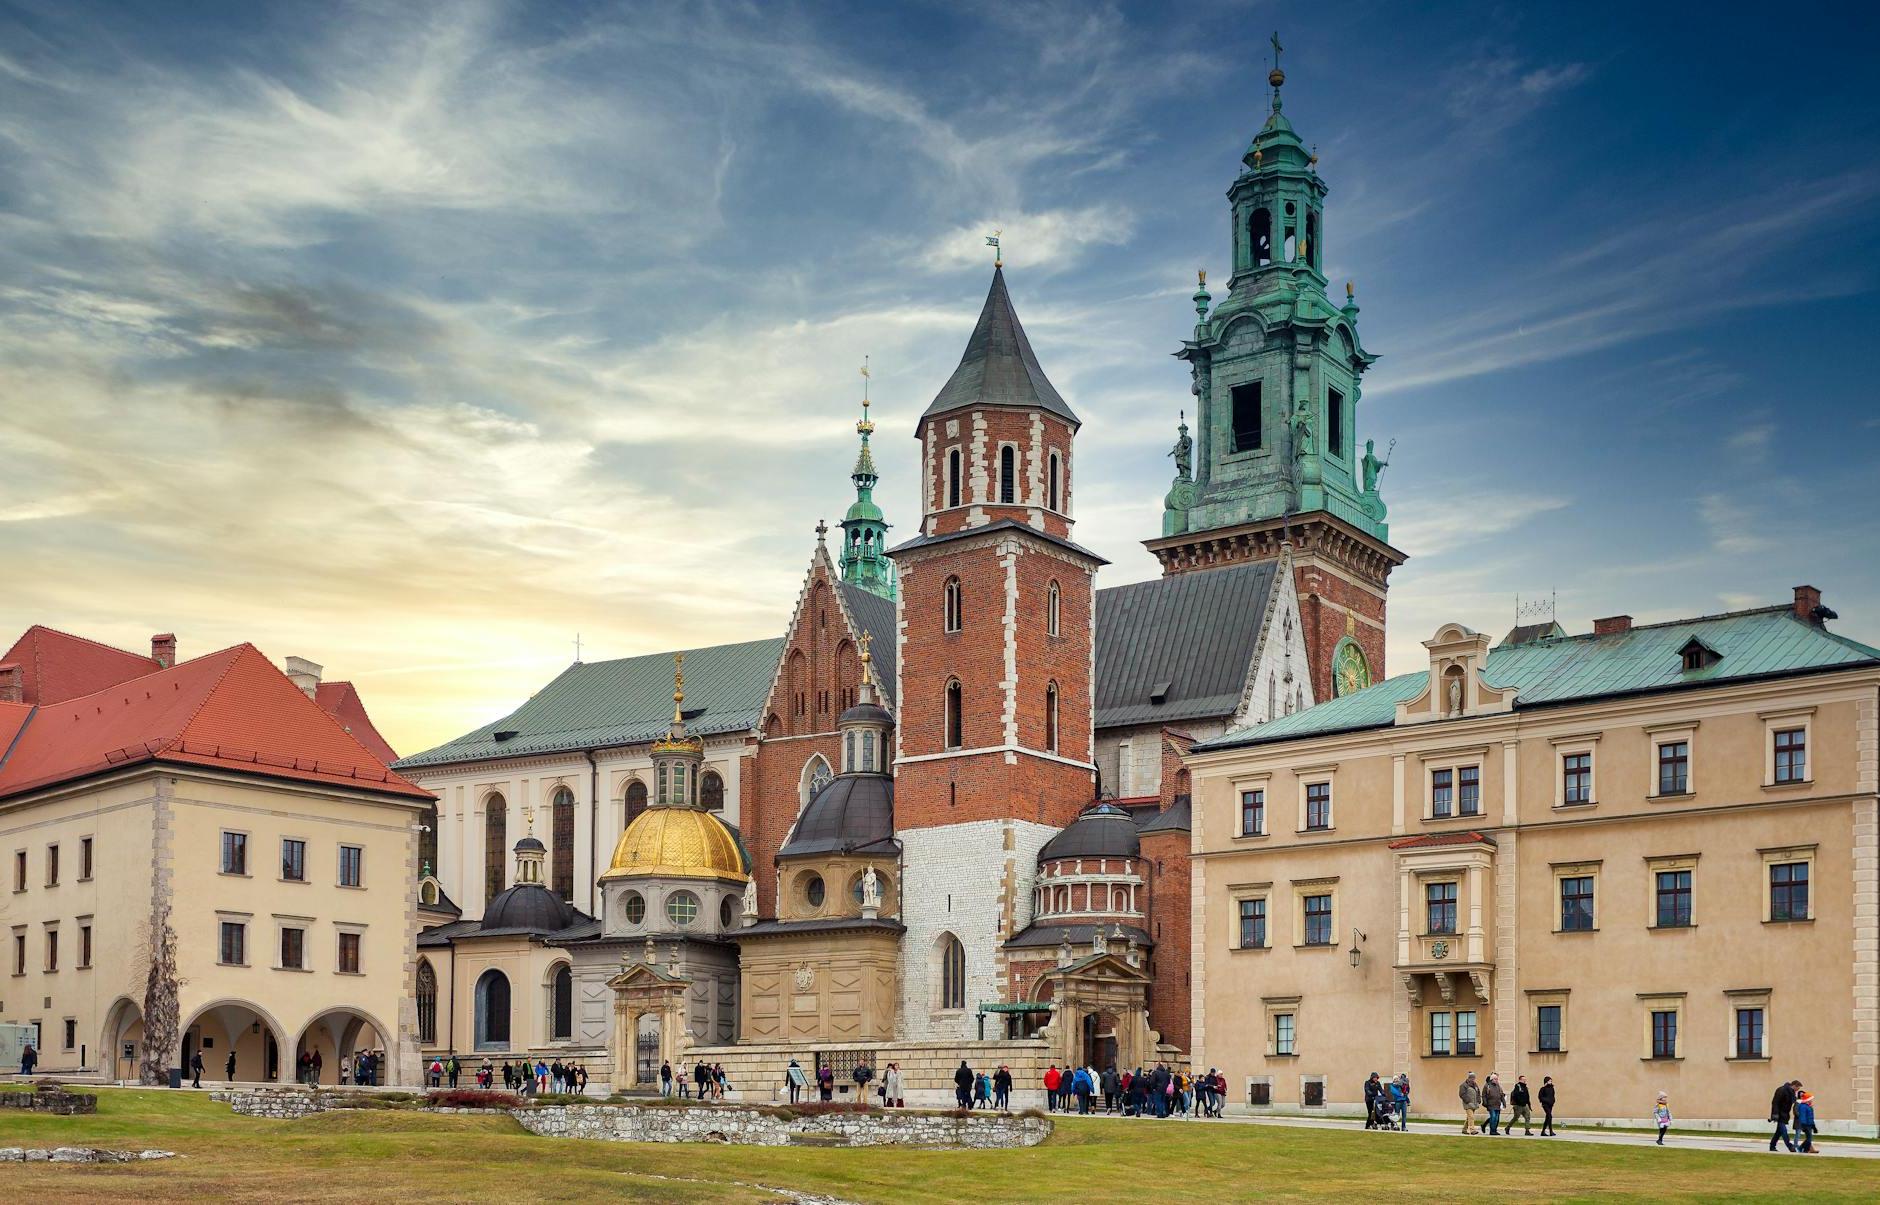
1099 1040
646 1050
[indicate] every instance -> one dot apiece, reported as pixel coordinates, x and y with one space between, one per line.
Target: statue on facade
871 888
1184 451
750 899
1455 695
1373 467
1302 431
1098 944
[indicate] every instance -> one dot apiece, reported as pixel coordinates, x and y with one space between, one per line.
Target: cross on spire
577 648
1276 77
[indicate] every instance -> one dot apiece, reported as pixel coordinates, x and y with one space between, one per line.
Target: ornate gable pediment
1456 688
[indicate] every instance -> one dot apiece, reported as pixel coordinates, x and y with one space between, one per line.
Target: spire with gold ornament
864 557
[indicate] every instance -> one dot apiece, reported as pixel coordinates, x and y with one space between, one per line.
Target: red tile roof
341 701
56 666
231 710
1435 840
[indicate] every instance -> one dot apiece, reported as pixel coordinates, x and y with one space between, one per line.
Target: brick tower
994 741
1276 370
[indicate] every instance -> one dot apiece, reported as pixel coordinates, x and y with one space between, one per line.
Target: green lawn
382 1155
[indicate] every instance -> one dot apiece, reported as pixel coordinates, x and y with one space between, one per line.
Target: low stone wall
766 1127
755 1070
77 1154
282 1104
50 1098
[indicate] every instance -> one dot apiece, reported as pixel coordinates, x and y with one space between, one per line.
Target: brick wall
1324 597
1166 859
979 435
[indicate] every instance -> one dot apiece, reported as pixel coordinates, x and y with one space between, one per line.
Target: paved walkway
1743 1144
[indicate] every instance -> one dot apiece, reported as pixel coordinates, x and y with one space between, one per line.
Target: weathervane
998 256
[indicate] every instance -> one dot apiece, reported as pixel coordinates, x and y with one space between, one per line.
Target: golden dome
677 843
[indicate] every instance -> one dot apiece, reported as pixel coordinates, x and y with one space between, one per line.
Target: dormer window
1698 655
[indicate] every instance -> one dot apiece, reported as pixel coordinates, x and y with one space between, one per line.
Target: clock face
1350 672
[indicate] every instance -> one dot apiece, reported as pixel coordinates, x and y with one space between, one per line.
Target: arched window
1051 718
816 774
711 791
561 816
1008 474
636 799
1053 600
1260 237
1053 484
849 764
495 843
953 604
1312 237
953 477
492 1011
427 1003
955 736
952 977
427 840
868 752
561 1004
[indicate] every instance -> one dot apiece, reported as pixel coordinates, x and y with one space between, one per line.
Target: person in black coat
1781 1106
230 1066
1372 1087
195 1071
963 1085
1547 1107
1521 1107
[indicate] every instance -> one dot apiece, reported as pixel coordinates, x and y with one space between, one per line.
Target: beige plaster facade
77 920
1391 930
827 969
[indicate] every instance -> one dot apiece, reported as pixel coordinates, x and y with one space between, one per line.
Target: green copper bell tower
864 531
1276 457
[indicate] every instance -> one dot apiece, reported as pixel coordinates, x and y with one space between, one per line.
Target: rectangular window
1318 920
1319 805
1576 904
52 950
1547 1028
1577 777
1788 891
234 950
84 945
1674 899
1791 755
84 858
1260 1092
1664 1033
1283 1033
351 865
349 953
1441 901
1335 423
1469 797
294 860
1465 1032
1253 924
1674 768
52 866
1442 793
1252 813
234 853
1749 1033
71 1033
19 953
1440 1034
1246 407
294 949
19 870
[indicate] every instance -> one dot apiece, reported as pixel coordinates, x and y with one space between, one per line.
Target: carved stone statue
1184 452
1302 431
1371 466
1098 943
871 888
750 897
1455 695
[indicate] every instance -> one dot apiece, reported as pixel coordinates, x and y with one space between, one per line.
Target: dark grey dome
531 844
865 713
528 906
1103 831
852 811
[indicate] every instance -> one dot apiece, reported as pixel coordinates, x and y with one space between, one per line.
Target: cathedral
947 806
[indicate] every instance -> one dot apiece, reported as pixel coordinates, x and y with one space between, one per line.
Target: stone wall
284 1104
767 1127
755 1071
50 1100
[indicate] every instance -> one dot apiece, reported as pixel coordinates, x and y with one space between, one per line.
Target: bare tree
161 987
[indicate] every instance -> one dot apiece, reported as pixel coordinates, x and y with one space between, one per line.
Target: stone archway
495 1010
123 1025
256 1038
339 1036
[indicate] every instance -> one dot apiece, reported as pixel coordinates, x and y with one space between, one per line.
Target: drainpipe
594 824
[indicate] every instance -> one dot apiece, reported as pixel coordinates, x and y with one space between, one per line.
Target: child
1662 1116
1805 1121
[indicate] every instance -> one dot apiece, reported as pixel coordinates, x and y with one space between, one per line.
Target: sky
416 339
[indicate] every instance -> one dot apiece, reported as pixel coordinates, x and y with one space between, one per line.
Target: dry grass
387 1155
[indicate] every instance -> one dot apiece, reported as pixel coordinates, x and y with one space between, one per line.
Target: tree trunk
161 1022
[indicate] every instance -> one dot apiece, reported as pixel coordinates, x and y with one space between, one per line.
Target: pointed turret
998 367
864 529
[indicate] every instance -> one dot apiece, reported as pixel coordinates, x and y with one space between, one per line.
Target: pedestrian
1002 1089
455 1068
317 1063
982 1091
195 1069
1522 1109
1493 1099
826 1081
1661 1116
1547 1107
541 1077
891 1087
863 1075
1400 1100
679 1079
1470 1093
229 1066
665 1079
581 1078
1780 1107
1805 1122
963 1086
29 1059
1372 1087
1052 1079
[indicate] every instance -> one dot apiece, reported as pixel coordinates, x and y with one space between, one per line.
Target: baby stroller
1383 1115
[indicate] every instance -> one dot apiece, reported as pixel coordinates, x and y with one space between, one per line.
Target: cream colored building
283 850
1640 860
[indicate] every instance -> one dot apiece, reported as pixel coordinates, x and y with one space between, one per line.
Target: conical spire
999 367
864 529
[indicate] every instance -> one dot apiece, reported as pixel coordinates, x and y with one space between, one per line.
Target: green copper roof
624 702
1766 643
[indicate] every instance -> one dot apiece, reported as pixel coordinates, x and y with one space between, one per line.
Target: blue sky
415 339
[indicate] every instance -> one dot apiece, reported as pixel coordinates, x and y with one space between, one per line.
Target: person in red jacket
1053 1079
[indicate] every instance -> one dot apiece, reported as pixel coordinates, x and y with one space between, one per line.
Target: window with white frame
1253 812
1788 884
1674 767
1576 778
1749 1023
1673 883
1282 1026
1252 912
1318 806
1547 1017
1442 793
1663 1025
1576 888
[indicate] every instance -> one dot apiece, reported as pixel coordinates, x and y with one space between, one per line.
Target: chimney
163 649
12 683
304 674
1808 606
1612 625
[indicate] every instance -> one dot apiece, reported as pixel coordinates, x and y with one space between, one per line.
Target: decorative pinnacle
528 819
868 672
865 426
998 255
678 688
1276 77
1202 297
822 531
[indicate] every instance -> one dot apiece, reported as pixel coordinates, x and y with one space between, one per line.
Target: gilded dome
677 843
